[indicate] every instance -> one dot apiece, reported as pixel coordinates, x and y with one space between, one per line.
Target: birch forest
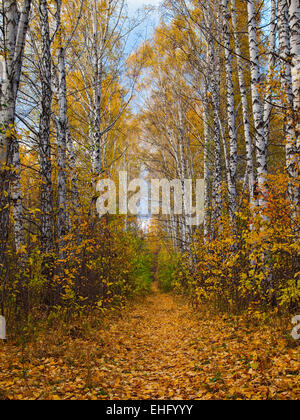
147 305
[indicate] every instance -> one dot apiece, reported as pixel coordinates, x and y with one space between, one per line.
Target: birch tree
44 131
62 126
207 172
243 93
286 86
271 68
65 147
104 41
16 198
15 25
294 18
214 91
261 143
230 113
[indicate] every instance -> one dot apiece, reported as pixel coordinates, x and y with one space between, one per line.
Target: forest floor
158 348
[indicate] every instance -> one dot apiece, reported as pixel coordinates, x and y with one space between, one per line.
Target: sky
148 21
133 5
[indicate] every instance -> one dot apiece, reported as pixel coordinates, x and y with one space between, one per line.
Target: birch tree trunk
16 195
207 204
97 83
230 114
217 175
62 215
286 85
15 27
261 143
7 115
184 170
72 171
268 106
44 133
246 118
294 15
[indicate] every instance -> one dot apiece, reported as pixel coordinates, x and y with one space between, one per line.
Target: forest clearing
149 200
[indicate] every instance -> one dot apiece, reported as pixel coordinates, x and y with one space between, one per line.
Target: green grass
143 274
167 266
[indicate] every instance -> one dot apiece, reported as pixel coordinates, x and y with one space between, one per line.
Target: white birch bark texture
15 26
44 132
214 92
98 49
287 90
261 143
72 172
294 17
207 203
62 217
62 126
16 196
244 100
268 106
232 192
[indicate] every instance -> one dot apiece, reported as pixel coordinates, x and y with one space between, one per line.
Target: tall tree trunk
286 85
97 83
16 195
44 133
15 27
231 115
217 175
261 143
62 216
246 118
72 171
182 172
207 180
271 68
62 127
294 14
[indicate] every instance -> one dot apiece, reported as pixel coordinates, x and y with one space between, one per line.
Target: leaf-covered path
157 349
163 350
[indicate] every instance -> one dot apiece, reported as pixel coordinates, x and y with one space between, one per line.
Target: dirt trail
153 353
157 349
162 350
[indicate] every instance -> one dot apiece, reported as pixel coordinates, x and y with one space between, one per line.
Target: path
155 355
162 350
157 349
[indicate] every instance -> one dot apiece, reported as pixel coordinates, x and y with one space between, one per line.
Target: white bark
217 174
15 27
62 126
98 47
268 106
246 118
187 233
286 85
16 196
44 132
230 115
261 143
207 203
62 216
72 171
294 16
